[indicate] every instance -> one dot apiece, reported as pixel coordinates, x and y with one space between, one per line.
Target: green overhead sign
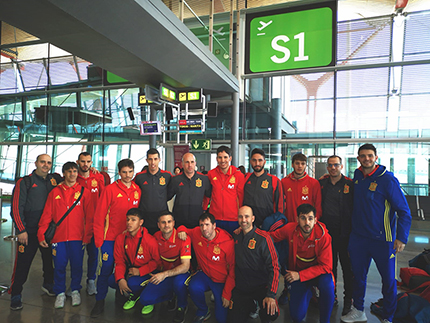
201 144
293 38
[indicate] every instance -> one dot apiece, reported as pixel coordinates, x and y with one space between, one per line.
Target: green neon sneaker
147 309
131 302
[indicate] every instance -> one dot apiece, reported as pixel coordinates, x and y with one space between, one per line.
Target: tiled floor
38 307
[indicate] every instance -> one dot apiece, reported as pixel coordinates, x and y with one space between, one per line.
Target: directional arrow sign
201 144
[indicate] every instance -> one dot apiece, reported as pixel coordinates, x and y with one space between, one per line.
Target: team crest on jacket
21 248
232 180
53 182
251 244
136 195
162 181
265 184
217 250
140 249
198 182
346 189
105 256
94 183
200 244
54 252
372 187
77 194
305 190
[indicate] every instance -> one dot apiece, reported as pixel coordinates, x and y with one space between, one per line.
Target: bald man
28 200
256 271
192 190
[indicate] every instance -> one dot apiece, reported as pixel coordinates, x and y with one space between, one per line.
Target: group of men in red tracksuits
145 252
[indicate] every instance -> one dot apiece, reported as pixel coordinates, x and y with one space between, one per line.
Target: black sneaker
180 315
48 289
200 319
98 308
171 305
15 303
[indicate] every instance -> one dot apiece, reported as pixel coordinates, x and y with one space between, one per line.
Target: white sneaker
59 301
91 287
76 298
354 315
386 321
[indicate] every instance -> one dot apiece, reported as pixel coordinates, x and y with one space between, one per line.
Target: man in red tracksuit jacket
70 235
214 250
310 263
136 257
110 221
95 183
299 188
227 191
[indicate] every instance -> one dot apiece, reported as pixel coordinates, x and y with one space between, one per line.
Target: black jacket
28 202
345 198
257 262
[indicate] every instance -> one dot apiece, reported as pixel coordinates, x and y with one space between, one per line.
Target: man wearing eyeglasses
337 201
300 188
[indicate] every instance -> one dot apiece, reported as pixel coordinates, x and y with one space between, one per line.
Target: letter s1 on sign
293 38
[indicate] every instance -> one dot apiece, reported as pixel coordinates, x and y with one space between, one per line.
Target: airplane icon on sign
264 25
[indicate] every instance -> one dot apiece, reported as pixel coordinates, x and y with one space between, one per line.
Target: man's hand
158 278
270 304
44 244
225 302
238 230
133 271
23 238
94 170
398 246
182 235
123 286
292 276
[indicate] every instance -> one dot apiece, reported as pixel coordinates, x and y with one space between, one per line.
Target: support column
153 138
277 134
235 130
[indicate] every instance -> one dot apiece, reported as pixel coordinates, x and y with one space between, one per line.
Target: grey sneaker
386 321
59 301
76 298
354 315
48 289
91 287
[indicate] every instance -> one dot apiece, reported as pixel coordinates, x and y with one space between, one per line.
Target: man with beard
95 183
28 200
381 220
262 191
192 190
256 271
153 183
299 188
337 201
310 263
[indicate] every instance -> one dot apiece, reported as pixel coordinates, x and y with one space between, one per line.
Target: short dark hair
136 212
207 215
305 209
180 169
84 153
125 163
69 165
300 157
152 151
367 147
334 156
258 151
166 212
225 149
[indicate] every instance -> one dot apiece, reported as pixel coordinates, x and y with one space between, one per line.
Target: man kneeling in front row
309 263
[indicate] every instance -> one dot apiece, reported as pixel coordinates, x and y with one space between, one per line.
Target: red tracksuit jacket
215 257
300 191
227 193
311 257
95 183
147 258
110 216
172 250
73 228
